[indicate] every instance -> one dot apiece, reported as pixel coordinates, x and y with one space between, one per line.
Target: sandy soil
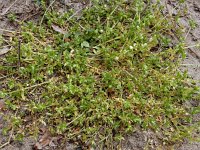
26 10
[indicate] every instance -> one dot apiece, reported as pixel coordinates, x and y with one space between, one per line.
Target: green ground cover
98 76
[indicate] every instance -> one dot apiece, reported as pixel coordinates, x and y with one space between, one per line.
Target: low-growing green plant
12 17
104 74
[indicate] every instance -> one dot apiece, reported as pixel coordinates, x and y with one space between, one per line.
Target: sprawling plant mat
97 76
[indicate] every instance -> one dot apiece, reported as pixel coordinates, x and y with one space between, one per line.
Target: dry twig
5 12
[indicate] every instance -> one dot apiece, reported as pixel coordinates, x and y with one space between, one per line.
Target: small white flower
131 47
101 31
151 16
134 45
144 45
116 58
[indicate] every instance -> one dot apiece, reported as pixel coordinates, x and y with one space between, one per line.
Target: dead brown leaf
4 50
2 105
8 33
37 146
67 40
58 29
43 142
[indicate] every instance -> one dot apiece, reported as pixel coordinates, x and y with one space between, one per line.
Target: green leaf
85 44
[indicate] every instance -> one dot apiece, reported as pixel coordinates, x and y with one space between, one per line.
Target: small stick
194 54
46 11
36 85
1 78
9 139
7 30
3 13
75 119
146 7
187 33
33 86
19 53
74 14
32 15
190 65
